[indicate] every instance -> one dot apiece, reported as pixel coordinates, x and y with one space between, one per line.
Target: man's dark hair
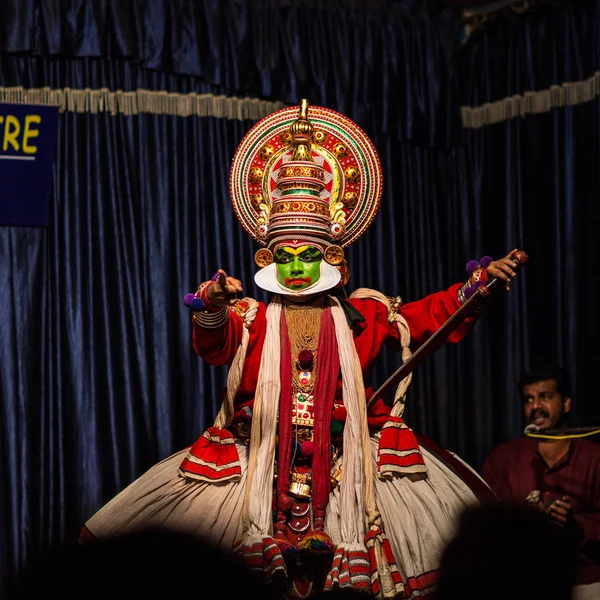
543 373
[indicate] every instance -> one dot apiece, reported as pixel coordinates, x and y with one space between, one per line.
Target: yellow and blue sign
27 146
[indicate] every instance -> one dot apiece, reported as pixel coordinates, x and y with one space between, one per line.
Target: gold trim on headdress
306 175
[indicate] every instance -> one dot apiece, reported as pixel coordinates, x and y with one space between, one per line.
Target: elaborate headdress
305 176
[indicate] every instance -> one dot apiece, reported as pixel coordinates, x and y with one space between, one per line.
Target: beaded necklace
304 324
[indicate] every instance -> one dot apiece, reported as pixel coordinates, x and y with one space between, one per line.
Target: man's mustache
538 414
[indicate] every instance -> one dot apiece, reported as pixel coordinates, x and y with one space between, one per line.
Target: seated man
560 476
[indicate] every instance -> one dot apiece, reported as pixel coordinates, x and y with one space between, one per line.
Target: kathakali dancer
300 475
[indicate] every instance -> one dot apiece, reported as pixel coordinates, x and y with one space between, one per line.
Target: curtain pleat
383 64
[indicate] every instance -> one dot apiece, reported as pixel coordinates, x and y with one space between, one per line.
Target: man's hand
503 269
224 290
561 512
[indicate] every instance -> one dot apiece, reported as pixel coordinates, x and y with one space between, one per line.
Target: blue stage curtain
554 42
384 62
535 185
99 379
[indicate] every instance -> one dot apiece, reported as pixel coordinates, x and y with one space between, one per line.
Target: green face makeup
298 268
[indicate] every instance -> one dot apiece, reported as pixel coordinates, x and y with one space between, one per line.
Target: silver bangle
211 320
461 293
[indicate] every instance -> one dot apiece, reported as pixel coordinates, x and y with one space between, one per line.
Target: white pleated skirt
419 516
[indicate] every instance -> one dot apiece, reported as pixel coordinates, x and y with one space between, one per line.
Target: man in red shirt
559 475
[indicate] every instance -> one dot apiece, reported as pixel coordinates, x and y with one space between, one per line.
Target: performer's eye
281 256
311 257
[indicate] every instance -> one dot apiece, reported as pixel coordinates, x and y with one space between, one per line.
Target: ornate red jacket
218 346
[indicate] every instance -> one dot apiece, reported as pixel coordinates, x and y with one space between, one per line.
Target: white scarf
357 479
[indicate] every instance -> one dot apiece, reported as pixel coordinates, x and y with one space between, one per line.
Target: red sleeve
218 346
426 316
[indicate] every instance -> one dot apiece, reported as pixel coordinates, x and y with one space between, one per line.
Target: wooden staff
469 309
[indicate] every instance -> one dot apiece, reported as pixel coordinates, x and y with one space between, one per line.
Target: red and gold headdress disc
306 176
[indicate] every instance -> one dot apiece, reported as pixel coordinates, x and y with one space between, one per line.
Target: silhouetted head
507 550
151 565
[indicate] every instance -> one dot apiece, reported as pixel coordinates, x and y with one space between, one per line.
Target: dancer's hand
224 290
503 269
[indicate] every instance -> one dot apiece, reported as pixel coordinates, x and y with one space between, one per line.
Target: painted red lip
297 280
